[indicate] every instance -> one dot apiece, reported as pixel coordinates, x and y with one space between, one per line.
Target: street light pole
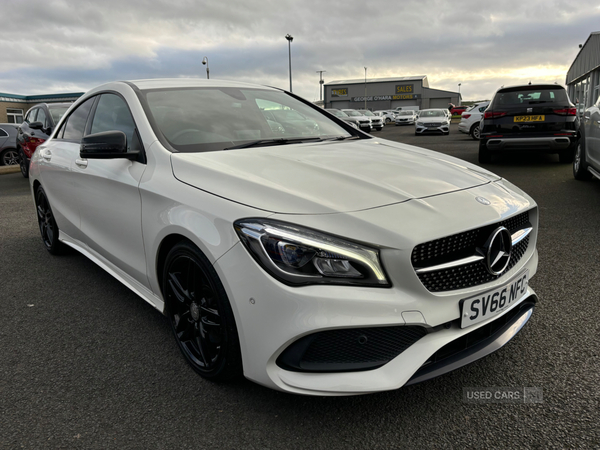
205 62
365 88
290 38
320 72
459 94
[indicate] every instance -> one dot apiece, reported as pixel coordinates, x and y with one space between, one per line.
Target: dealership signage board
339 92
375 98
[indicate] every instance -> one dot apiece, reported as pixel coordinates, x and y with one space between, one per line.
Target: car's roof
532 86
163 83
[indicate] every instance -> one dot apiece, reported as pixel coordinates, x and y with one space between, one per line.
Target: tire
580 165
388 120
566 156
485 156
9 157
48 228
24 163
200 315
475 131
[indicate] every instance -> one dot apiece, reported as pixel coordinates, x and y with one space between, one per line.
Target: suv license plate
492 303
530 118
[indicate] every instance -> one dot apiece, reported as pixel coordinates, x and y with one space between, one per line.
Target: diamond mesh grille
457 246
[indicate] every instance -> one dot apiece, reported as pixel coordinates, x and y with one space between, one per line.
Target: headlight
300 256
445 123
420 124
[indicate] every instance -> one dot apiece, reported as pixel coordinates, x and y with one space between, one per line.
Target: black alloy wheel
567 156
47 224
200 314
485 156
9 157
580 164
24 163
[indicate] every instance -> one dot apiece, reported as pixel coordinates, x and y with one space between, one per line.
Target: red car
37 127
458 110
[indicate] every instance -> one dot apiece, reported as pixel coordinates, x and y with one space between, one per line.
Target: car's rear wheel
200 314
475 132
47 224
566 156
9 157
24 164
485 156
580 164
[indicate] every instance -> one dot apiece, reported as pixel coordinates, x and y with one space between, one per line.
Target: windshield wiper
342 138
278 141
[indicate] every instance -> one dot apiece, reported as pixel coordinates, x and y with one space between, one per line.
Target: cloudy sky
53 46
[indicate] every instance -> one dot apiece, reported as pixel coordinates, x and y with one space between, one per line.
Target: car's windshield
432 113
530 95
337 112
57 112
207 119
405 113
353 113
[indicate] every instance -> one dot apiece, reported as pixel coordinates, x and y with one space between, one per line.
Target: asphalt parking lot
87 364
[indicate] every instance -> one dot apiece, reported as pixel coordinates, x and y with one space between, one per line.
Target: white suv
469 120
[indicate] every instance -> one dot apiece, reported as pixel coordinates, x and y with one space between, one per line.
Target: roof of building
379 80
39 98
586 60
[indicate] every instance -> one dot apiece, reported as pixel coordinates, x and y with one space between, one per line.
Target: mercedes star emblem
497 251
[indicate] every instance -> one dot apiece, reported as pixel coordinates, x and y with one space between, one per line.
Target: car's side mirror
106 145
36 125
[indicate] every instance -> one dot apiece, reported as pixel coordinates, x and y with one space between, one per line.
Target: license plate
530 118
492 303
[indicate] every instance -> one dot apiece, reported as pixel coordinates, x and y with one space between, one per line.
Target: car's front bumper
271 316
422 129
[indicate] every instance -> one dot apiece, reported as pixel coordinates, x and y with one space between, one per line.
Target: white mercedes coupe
315 260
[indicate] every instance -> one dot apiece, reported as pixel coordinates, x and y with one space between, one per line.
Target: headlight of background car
300 256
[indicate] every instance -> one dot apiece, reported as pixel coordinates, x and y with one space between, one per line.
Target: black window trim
90 118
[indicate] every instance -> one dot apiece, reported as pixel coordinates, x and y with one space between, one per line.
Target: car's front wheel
47 224
580 165
24 164
200 314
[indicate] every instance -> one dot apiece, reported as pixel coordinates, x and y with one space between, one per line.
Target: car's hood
433 119
326 177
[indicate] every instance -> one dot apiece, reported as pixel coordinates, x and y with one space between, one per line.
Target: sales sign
405 88
341 92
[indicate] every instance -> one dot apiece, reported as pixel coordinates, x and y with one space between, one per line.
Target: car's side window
41 117
75 124
30 117
3 133
112 114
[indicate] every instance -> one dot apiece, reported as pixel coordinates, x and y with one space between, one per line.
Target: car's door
109 199
591 123
57 157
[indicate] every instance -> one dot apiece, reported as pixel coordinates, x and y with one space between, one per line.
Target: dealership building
14 107
583 77
387 93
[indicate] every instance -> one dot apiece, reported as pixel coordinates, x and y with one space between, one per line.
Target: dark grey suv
8 144
533 117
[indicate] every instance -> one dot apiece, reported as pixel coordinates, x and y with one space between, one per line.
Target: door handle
81 163
47 155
